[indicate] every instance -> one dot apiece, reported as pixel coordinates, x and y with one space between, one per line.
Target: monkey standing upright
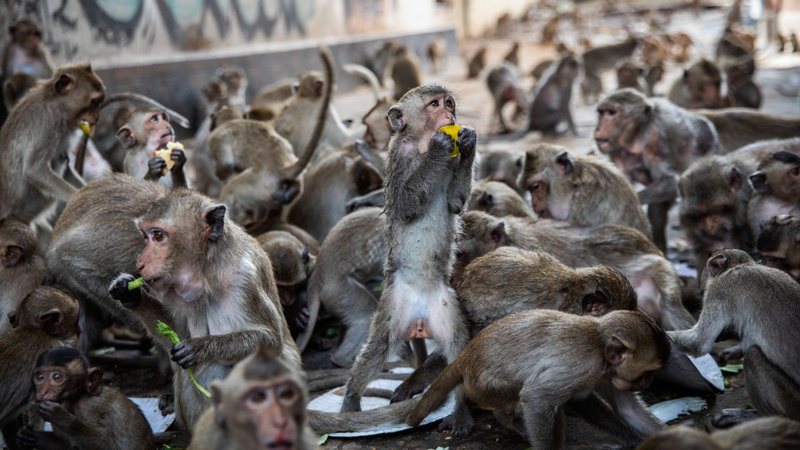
426 189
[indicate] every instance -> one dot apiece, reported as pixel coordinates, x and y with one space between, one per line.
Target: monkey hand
166 404
55 413
26 438
459 427
119 291
184 354
467 139
179 158
440 146
155 168
301 321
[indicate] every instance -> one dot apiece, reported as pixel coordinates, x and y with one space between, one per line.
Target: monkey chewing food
452 131
166 155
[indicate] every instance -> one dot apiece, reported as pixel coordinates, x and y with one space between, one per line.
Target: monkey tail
323 422
362 72
298 167
757 126
436 394
130 96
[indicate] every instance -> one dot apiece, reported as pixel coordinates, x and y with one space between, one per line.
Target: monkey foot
405 392
729 417
459 427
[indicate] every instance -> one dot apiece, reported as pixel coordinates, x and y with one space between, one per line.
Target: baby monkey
538 360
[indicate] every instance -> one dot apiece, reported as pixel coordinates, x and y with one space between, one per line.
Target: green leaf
732 368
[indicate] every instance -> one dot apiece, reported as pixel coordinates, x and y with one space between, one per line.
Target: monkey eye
257 396
156 234
449 104
38 376
286 394
534 186
434 103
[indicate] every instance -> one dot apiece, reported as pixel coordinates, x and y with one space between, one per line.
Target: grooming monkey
768 433
779 245
583 190
498 199
21 268
539 360
82 412
761 305
426 190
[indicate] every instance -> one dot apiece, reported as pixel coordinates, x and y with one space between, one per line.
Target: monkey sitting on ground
583 190
437 52
743 91
779 245
82 412
699 87
46 319
504 85
512 57
476 63
652 141
21 268
768 433
762 305
539 360
426 189
405 71
498 199
776 186
142 133
631 75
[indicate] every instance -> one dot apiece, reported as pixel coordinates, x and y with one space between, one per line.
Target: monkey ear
12 317
396 121
52 322
734 180
565 164
758 181
64 84
11 256
126 137
717 264
595 303
617 351
94 381
216 399
498 234
319 88
215 222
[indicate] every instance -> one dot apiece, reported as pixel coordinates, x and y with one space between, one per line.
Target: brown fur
21 268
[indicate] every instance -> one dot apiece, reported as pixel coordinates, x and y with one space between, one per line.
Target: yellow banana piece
166 155
87 130
452 131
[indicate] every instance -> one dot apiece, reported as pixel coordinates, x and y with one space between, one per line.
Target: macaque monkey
35 141
760 304
599 59
779 245
328 186
144 132
512 57
291 264
437 53
503 165
631 75
476 63
776 186
652 141
25 53
652 76
737 127
377 133
583 190
536 361
498 199
684 44
21 268
742 90
349 265
15 87
82 412
46 319
654 50
405 71
503 28
699 87
275 93
426 189
505 86
768 433
549 30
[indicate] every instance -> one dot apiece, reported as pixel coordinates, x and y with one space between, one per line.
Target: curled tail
322 422
436 394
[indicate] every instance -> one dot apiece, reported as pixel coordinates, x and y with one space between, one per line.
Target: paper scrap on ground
670 410
709 369
331 401
149 407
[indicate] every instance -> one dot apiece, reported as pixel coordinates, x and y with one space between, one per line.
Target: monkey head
567 69
49 310
635 347
708 210
17 243
224 113
378 132
703 80
27 35
779 176
63 375
311 85
549 170
779 244
608 290
78 91
234 79
292 264
262 403
628 74
148 127
621 116
420 114
722 260
482 233
181 231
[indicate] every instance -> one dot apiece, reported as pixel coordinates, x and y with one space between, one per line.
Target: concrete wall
477 17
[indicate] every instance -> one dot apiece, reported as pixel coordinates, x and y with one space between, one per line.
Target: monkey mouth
602 144
279 445
165 138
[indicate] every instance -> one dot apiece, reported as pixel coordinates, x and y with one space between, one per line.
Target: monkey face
607 131
269 415
158 129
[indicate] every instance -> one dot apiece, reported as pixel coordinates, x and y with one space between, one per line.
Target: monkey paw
184 355
405 392
54 412
441 145
155 167
166 404
119 291
301 321
459 427
467 139
180 159
26 438
729 417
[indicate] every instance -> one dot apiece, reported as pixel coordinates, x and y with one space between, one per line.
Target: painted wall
122 32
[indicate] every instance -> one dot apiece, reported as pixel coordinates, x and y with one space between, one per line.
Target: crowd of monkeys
538 274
